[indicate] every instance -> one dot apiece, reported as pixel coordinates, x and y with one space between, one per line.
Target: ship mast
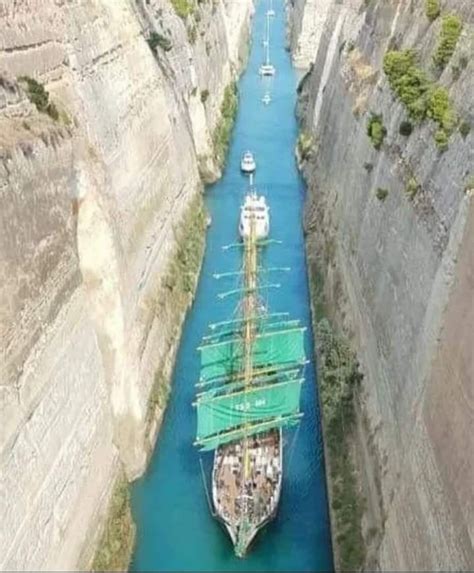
267 62
250 311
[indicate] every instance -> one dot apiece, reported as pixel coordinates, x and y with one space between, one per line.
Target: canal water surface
175 530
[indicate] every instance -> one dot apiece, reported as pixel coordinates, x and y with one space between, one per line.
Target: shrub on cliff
223 130
422 97
442 139
39 96
432 9
183 7
376 130
116 543
304 145
450 31
157 39
339 380
409 82
440 110
412 187
406 128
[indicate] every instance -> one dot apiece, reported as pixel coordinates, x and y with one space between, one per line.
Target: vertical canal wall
389 234
96 187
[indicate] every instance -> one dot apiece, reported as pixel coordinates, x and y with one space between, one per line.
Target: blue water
176 531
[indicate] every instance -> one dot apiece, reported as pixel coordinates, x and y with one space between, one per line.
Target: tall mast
250 309
267 61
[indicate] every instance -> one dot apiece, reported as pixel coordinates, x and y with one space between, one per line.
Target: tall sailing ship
248 392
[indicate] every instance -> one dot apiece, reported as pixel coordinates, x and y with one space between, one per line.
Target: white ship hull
256 212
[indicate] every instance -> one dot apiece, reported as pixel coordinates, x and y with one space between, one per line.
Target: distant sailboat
267 69
271 11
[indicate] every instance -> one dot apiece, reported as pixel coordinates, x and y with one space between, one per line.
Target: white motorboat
266 99
267 70
247 163
256 212
271 11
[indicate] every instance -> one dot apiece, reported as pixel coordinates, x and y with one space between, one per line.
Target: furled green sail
213 442
270 348
266 404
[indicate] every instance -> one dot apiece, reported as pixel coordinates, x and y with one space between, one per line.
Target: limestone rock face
308 21
89 205
399 270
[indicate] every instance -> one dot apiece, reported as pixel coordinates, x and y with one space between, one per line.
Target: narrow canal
176 531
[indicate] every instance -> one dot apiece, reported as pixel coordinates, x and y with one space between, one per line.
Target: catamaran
267 69
249 391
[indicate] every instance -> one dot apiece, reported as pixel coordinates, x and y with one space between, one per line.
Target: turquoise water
176 531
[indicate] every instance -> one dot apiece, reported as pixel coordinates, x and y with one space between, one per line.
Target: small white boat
266 99
267 70
271 11
254 211
247 163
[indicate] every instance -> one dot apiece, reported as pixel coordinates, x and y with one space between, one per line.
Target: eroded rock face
89 205
399 269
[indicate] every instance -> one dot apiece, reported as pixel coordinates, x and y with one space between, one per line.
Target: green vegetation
439 109
116 543
223 130
204 95
406 128
186 261
177 288
422 97
381 193
38 95
155 39
304 145
432 9
158 397
183 7
409 82
465 129
339 380
441 139
376 130
412 188
450 31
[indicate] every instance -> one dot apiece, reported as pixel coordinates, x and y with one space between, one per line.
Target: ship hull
242 514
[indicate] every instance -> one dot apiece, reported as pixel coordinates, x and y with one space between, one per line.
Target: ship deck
255 496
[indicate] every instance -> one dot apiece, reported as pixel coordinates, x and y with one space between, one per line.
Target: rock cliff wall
391 232
91 197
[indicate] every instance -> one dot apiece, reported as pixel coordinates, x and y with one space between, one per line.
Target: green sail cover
258 404
272 348
214 442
